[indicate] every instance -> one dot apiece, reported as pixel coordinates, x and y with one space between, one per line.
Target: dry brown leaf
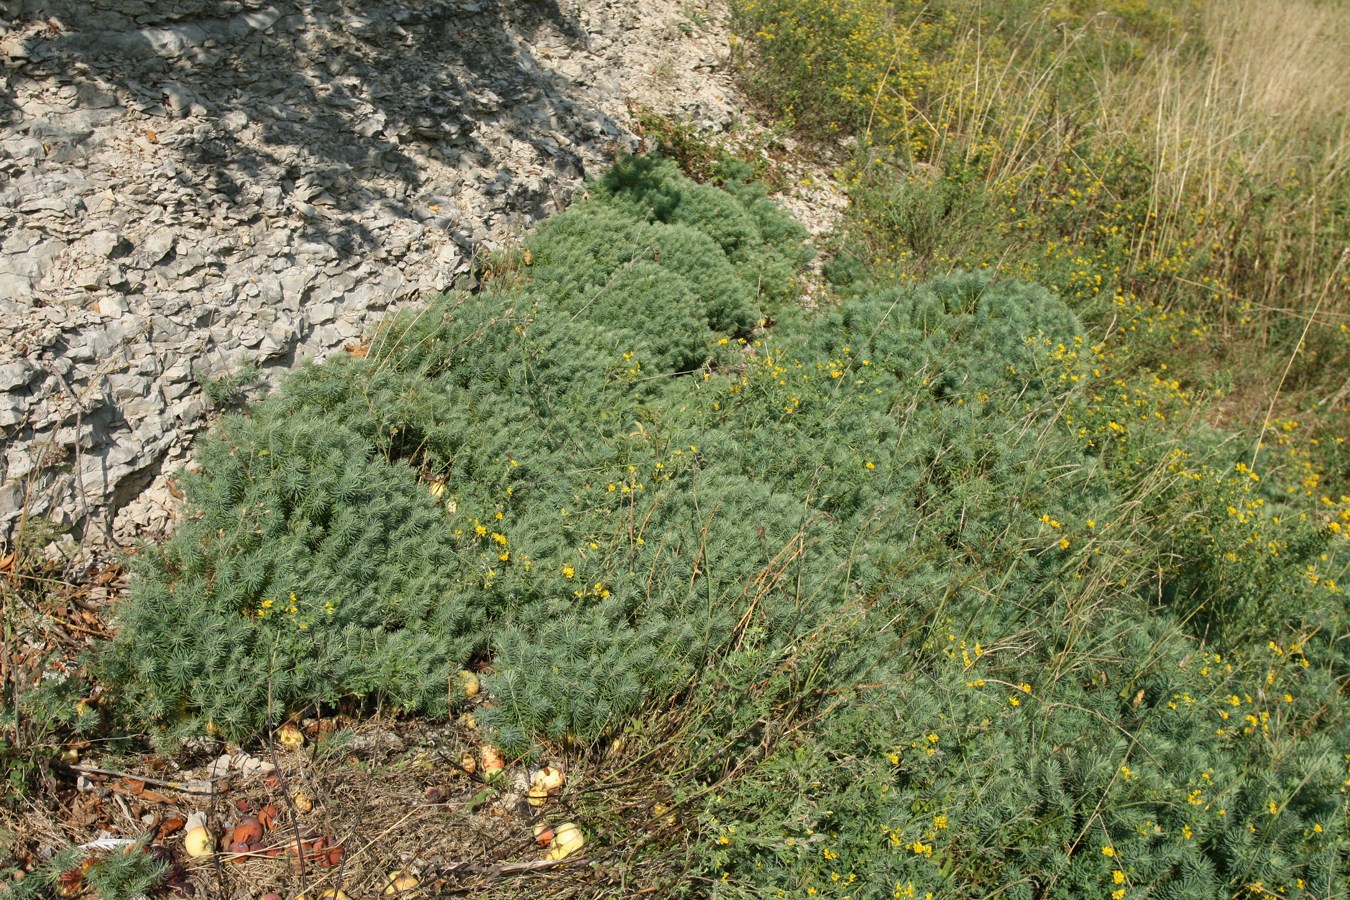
85 810
170 825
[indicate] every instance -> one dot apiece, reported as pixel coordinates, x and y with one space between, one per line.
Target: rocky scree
192 189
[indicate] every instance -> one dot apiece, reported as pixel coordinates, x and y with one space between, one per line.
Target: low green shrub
883 554
1021 766
313 566
132 870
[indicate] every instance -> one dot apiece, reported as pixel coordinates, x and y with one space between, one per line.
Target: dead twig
186 787
506 870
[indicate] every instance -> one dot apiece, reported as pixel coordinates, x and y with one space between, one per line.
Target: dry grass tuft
1253 131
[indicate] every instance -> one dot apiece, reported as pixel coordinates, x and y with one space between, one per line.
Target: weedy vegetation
1177 167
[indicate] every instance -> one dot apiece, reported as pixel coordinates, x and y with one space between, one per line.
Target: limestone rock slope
193 188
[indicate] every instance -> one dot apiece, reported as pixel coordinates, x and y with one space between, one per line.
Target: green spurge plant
909 608
314 566
122 871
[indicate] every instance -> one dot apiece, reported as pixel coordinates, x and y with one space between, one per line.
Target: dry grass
1243 124
1253 131
1245 127
391 794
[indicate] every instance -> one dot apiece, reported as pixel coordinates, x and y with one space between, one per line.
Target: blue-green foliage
133 871
599 476
967 340
296 506
520 400
612 381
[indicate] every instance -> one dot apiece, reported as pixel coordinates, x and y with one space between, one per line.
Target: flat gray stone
108 244
157 246
16 375
15 286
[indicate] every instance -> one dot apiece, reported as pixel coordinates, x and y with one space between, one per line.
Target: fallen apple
295 856
492 760
550 778
469 685
248 831
199 843
238 850
401 884
290 737
302 800
567 839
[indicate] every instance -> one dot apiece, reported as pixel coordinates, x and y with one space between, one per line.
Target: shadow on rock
298 102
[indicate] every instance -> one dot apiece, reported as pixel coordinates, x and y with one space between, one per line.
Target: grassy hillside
1177 169
943 611
1015 568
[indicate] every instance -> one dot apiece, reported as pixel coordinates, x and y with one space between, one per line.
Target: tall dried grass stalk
1256 126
